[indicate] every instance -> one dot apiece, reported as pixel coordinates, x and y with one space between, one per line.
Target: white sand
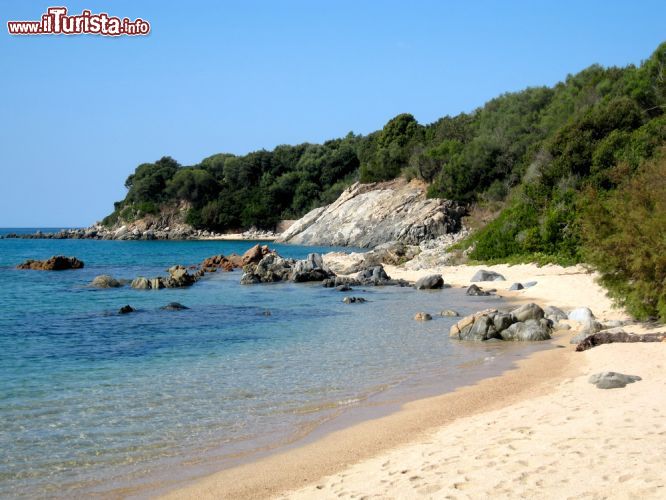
539 431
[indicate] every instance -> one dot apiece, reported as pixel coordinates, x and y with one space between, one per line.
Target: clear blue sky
80 113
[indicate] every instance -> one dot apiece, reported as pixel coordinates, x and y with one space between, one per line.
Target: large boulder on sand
581 314
484 275
55 263
529 330
429 282
528 311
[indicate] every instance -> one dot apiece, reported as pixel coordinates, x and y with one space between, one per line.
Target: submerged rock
55 263
174 306
126 309
422 316
105 281
449 312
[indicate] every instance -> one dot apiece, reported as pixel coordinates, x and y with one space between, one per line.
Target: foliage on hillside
542 144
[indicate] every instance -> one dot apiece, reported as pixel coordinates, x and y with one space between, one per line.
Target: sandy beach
538 431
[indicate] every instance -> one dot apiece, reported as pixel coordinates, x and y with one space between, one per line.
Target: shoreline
361 445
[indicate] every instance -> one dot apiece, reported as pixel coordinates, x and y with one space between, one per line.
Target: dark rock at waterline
476 291
483 275
126 309
354 300
174 306
343 288
612 380
449 313
274 268
529 330
429 282
55 263
516 286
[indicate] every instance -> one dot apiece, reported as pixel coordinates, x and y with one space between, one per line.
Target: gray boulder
482 329
555 313
612 380
105 281
529 330
529 284
483 275
581 314
429 282
516 286
528 311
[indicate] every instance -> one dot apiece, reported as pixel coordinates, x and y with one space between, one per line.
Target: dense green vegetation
544 154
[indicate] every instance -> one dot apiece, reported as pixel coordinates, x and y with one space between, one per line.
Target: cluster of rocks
171 306
526 323
55 263
179 277
371 276
272 268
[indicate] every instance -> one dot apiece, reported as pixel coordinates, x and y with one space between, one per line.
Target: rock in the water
422 316
353 300
529 330
368 215
581 314
105 281
462 328
140 283
449 312
429 282
255 254
612 380
126 309
273 268
484 275
343 288
516 286
476 291
55 263
528 311
174 306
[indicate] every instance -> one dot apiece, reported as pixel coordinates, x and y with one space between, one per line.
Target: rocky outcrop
372 276
179 277
274 268
368 215
55 263
526 323
476 291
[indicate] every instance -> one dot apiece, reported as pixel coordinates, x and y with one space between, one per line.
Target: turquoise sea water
91 401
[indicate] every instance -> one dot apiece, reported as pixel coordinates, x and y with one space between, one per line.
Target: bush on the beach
624 237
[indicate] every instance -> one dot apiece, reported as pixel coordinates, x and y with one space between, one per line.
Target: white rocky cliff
367 215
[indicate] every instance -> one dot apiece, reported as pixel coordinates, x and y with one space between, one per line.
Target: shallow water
91 400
